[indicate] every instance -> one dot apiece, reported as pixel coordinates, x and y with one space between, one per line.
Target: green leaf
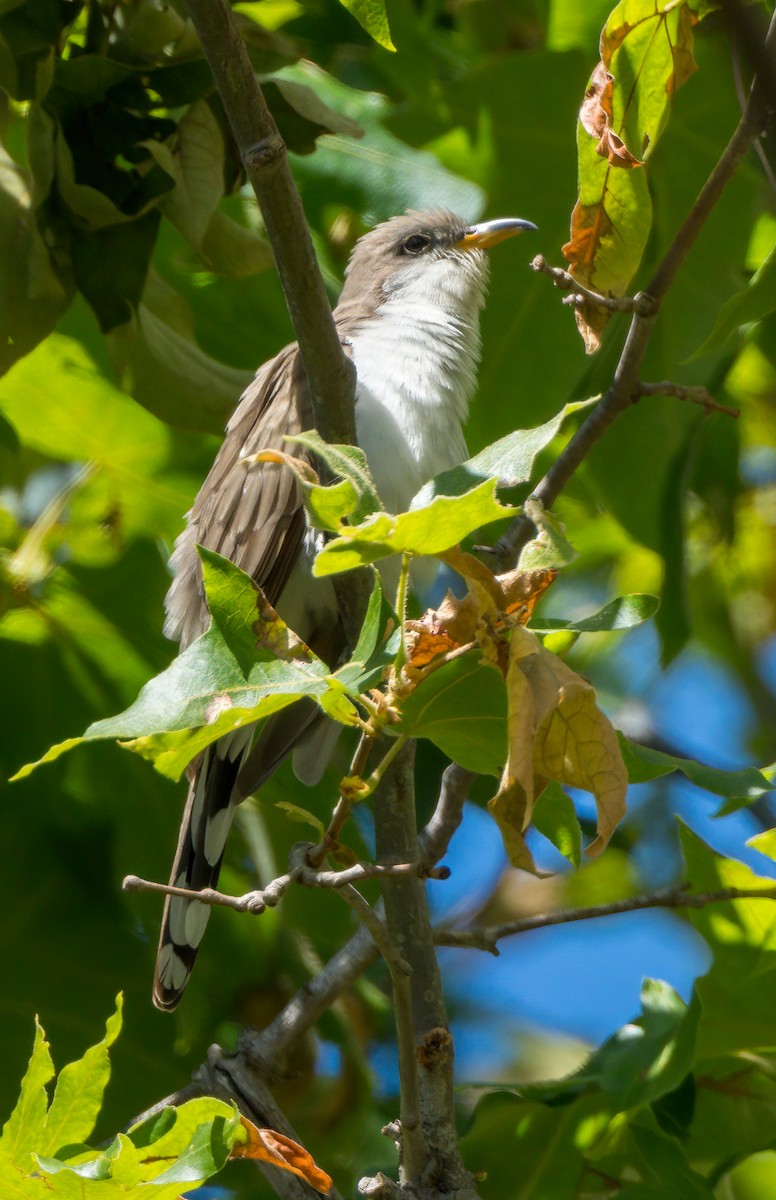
247 666
349 464
751 304
372 17
429 530
233 604
555 817
510 459
78 1097
739 992
623 613
110 265
196 164
663 1167
383 175
647 49
159 361
550 549
644 764
764 843
646 1059
461 707
33 294
23 1132
547 1143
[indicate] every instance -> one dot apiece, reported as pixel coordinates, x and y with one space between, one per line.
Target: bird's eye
416 243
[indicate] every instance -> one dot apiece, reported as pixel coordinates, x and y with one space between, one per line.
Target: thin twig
579 294
695 394
672 897
257 901
434 839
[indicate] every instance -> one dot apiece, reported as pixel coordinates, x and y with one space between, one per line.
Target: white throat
416 370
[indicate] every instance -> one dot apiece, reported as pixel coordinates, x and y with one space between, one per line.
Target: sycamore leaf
460 707
751 304
327 506
265 1145
77 1099
196 163
646 55
555 732
644 1060
739 787
23 1132
247 666
429 530
347 463
510 459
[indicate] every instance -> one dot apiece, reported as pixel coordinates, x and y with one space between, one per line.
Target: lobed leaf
349 464
428 530
226 679
510 460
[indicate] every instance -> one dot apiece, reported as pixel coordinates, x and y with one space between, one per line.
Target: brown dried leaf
265 1145
523 589
555 731
596 117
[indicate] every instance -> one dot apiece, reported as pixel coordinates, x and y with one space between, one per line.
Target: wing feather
252 515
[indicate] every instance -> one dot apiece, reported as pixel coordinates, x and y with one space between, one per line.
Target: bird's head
419 256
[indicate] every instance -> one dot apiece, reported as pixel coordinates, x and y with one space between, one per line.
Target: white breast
416 364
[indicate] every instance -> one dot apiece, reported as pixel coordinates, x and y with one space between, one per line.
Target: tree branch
330 374
413 1142
625 386
434 839
258 901
673 897
408 922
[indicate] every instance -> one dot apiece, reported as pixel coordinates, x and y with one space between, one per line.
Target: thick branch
673 897
329 372
407 918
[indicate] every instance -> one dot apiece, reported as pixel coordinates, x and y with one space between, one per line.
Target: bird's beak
490 233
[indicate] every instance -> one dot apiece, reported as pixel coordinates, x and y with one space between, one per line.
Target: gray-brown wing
252 515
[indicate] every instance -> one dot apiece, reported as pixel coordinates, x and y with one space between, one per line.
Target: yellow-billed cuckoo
408 317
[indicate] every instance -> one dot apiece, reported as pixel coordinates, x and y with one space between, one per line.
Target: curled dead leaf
265 1145
555 731
299 466
596 118
523 589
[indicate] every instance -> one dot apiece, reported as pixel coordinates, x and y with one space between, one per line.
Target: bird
409 319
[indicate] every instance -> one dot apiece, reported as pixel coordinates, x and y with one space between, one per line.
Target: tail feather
207 819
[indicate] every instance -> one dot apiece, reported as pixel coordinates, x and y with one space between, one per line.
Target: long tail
207 819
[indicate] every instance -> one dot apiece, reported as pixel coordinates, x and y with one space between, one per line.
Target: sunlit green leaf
429 530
